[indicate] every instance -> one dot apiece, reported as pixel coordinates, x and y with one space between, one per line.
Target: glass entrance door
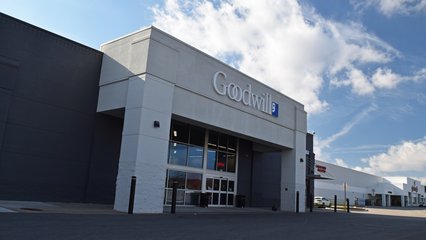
221 191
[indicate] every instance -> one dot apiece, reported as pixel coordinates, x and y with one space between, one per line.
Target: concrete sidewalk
55 207
87 208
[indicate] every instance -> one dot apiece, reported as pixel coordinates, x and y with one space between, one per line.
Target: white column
402 201
383 200
293 174
144 147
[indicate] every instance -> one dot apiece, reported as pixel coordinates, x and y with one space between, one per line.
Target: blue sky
358 66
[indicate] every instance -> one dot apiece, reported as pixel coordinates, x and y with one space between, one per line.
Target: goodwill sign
262 102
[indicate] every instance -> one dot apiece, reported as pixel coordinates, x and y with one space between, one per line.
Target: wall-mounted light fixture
301 159
156 124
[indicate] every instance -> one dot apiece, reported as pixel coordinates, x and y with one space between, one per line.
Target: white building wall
364 186
154 76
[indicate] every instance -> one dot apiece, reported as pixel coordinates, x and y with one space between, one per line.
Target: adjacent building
367 189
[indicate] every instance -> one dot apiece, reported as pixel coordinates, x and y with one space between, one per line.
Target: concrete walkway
417 212
87 208
55 207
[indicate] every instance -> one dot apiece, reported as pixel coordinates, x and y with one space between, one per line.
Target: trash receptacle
204 200
240 201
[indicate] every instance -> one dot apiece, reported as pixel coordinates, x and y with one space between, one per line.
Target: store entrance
221 191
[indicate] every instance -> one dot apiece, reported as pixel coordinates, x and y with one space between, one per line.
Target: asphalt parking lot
321 224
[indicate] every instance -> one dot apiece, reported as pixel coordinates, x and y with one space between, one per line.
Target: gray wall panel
9 70
105 155
28 177
266 179
5 96
245 170
48 99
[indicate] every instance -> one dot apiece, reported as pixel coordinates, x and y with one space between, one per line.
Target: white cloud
392 7
385 78
290 48
341 162
348 126
320 145
408 156
360 83
418 76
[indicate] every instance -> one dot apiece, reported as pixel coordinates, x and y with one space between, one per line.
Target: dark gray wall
104 159
245 156
48 120
266 179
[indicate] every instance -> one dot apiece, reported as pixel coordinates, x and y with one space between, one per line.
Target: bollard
335 203
173 210
311 205
297 201
347 204
132 195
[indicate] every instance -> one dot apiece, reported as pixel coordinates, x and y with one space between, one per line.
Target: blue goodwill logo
274 109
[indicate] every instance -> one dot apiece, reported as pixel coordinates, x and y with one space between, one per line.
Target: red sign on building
321 169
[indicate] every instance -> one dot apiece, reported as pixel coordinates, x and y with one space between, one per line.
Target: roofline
29 25
205 54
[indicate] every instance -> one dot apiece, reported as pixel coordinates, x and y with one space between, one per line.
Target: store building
367 189
193 119
77 128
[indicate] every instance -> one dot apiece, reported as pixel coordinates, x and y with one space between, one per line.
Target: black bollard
347 204
132 195
335 203
174 192
297 201
311 205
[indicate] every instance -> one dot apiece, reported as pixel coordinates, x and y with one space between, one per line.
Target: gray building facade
53 144
76 124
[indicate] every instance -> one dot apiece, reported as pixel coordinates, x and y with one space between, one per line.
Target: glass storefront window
231 163
196 136
179 132
209 184
216 185
212 140
178 153
195 156
223 142
231 186
179 196
215 198
187 150
177 176
224 185
211 159
192 199
232 144
221 161
223 199
193 181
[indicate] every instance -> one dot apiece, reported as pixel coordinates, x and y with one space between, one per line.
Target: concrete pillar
144 147
402 201
384 200
293 174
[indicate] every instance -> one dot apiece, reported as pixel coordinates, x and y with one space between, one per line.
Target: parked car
322 202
